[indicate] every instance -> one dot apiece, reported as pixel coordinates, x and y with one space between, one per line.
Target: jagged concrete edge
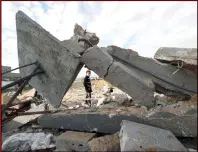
76 55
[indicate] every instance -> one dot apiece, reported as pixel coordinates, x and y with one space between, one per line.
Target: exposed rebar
18 68
21 80
18 91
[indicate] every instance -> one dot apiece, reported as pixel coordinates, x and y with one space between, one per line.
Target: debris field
153 106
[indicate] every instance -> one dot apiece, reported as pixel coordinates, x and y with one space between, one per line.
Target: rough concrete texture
139 137
61 66
188 55
183 126
161 74
74 141
71 45
105 143
140 88
80 33
22 120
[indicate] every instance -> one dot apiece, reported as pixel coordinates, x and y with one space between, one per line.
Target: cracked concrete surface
140 88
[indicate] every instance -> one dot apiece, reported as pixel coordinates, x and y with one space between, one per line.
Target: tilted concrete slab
188 55
140 88
140 137
161 74
60 64
181 126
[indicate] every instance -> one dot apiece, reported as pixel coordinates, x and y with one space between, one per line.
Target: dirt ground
76 93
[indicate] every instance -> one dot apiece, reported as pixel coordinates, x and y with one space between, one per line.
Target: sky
141 26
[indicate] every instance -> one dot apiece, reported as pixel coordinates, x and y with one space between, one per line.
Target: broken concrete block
161 74
182 126
188 55
60 64
22 120
79 33
74 141
140 137
84 38
140 88
28 142
105 143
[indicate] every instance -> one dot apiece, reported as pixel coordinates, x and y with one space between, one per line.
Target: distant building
5 68
9 76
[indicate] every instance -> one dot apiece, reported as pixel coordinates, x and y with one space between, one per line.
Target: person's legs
89 101
87 96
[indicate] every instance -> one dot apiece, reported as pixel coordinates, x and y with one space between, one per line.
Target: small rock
144 108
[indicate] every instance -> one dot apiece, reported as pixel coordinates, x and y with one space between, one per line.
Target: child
87 85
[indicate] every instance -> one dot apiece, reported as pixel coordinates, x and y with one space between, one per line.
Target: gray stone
28 142
188 55
22 120
140 137
191 112
161 74
182 126
60 64
105 143
162 115
74 141
140 88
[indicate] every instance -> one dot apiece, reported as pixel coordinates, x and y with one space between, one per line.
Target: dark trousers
88 95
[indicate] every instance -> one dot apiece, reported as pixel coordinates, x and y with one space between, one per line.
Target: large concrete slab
161 74
60 64
188 55
140 88
140 137
183 126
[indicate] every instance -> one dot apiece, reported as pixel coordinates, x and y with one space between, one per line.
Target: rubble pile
155 109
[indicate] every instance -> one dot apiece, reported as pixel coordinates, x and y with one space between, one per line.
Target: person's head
88 72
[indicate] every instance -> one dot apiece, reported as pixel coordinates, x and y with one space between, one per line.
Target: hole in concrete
80 145
72 144
140 146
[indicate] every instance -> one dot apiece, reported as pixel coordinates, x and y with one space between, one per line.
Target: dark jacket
87 84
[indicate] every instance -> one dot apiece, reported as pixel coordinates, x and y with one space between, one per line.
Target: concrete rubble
153 105
139 137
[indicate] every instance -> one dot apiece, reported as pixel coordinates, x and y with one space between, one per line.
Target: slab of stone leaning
188 55
140 137
140 88
161 74
61 65
181 126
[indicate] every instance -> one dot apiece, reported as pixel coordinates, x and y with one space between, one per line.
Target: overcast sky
141 26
